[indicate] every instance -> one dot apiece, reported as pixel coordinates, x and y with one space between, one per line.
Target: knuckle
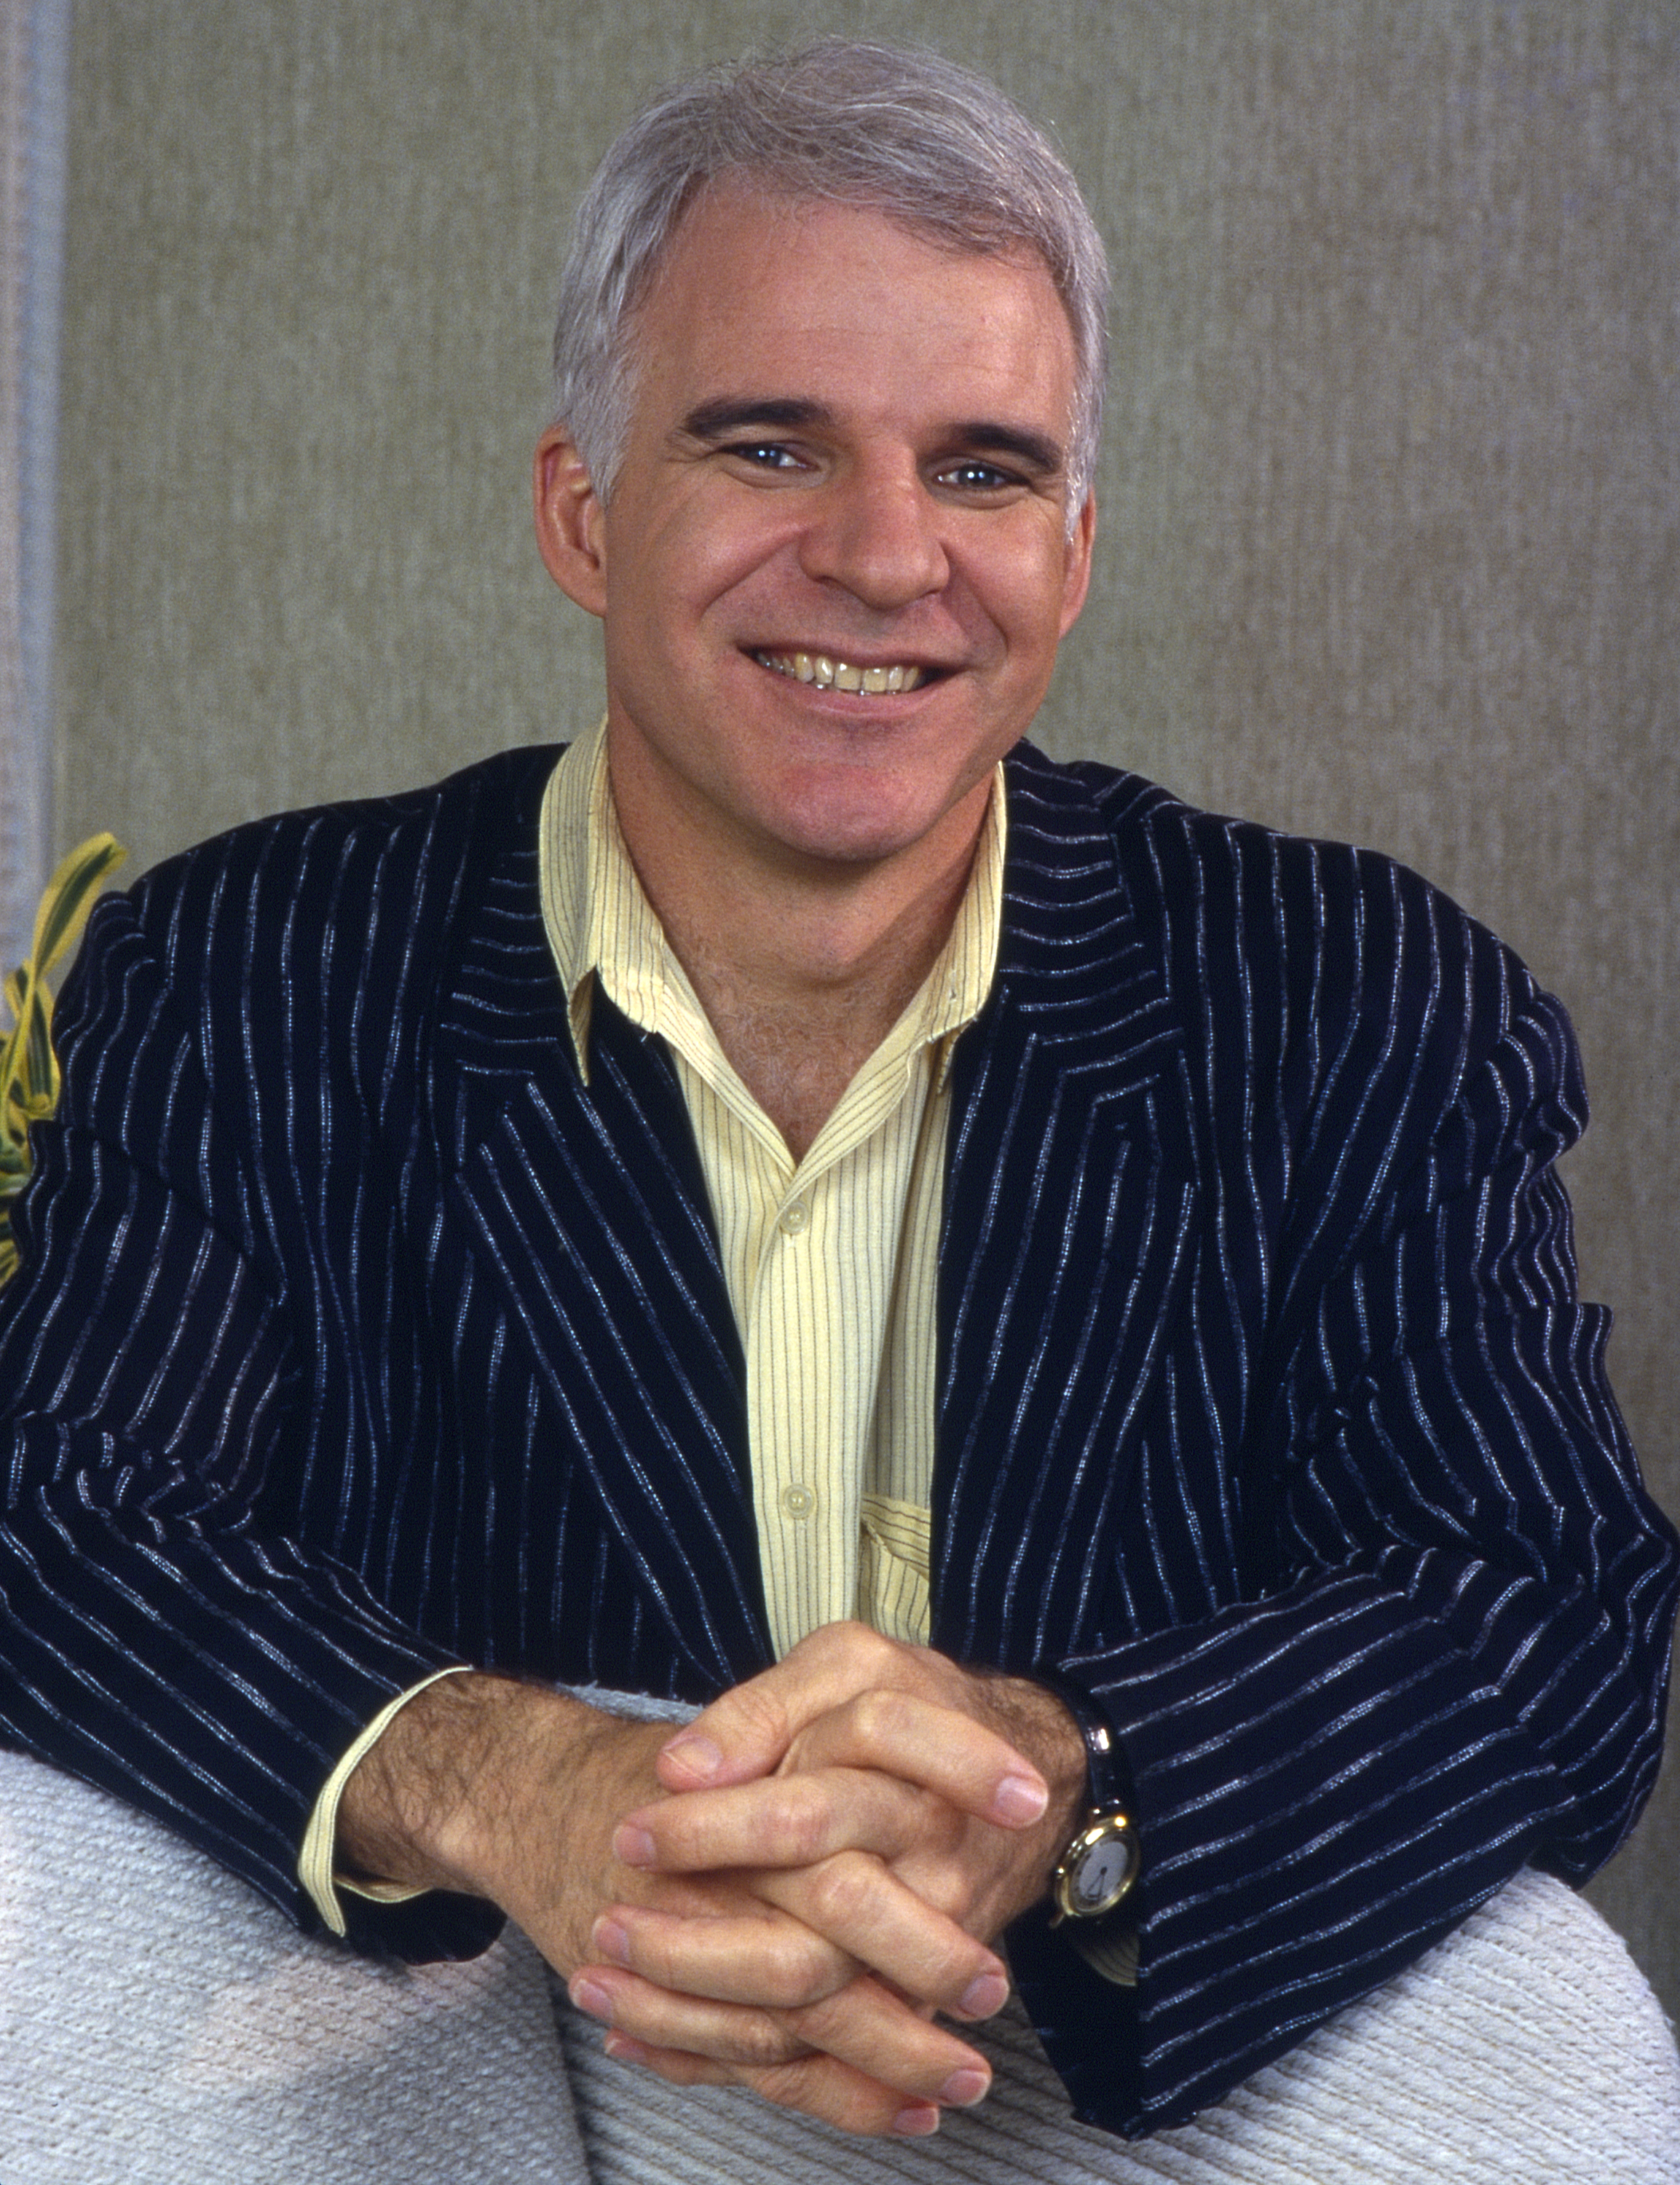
854 1647
803 1989
795 1975
841 1888
884 1654
878 1715
797 1817
764 2043
827 2019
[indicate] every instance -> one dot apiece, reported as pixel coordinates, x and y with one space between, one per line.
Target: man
804 1163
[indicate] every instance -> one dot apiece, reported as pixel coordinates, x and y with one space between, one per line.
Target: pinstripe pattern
831 1262
357 1335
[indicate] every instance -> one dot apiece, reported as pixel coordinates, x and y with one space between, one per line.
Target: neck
802 970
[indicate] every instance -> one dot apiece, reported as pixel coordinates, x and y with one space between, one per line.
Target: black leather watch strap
1108 1776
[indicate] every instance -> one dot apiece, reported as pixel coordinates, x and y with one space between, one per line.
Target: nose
874 532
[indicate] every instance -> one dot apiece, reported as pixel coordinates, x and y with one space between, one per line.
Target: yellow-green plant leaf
14 1107
16 991
29 1069
41 1065
69 898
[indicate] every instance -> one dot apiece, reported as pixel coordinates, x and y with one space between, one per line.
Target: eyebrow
1036 449
714 421
717 419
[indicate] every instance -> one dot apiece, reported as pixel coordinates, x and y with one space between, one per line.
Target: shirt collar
600 925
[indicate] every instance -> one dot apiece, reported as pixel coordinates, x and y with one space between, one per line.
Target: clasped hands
785 1895
839 1840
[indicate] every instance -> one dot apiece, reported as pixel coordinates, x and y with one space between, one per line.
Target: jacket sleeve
1449 1655
165 1632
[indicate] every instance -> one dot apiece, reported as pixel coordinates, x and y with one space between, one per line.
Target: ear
1076 568
571 526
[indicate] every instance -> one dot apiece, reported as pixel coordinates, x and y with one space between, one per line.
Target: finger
872 1918
764 1959
789 1821
933 1745
745 1733
815 2085
862 2025
862 1907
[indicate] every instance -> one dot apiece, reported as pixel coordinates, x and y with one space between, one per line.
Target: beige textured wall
1390 510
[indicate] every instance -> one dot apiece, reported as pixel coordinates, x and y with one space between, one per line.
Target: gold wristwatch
1099 1870
1096 1873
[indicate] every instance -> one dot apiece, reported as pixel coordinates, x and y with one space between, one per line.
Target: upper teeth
840 674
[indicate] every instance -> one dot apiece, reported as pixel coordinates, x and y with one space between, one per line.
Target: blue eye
976 477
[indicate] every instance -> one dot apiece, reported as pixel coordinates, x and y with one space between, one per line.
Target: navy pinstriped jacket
356 1335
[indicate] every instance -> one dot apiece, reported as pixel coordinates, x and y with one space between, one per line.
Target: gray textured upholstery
160 2025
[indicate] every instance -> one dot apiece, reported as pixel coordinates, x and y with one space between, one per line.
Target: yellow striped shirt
831 1261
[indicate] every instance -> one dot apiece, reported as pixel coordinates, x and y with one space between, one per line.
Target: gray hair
901 133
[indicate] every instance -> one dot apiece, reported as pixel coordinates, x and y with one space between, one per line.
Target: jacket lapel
1069 1203
587 1207
1069 1200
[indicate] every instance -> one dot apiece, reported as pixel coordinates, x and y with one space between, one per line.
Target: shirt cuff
315 1860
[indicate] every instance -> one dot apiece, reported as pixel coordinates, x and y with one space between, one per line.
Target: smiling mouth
828 674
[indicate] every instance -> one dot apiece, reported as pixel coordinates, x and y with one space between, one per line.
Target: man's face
848 447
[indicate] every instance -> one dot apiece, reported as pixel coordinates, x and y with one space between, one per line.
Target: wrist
504 1790
472 1763
1038 1722
406 1810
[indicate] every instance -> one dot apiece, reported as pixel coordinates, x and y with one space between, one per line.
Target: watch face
1099 1877
1097 1870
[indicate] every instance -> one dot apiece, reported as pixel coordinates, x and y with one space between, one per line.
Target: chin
867 816
855 833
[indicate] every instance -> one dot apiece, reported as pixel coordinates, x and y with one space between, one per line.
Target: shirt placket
799 1481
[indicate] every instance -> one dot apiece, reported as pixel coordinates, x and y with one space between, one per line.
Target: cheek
1029 618
711 551
1018 588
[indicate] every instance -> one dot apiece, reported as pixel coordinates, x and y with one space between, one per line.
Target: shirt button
794 1219
798 1501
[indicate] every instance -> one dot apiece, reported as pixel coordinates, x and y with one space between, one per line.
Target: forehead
759 294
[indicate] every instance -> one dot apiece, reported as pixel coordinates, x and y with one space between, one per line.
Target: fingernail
964 2087
590 1996
916 2121
612 1941
985 1994
1020 1798
634 1846
625 2049
695 1755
